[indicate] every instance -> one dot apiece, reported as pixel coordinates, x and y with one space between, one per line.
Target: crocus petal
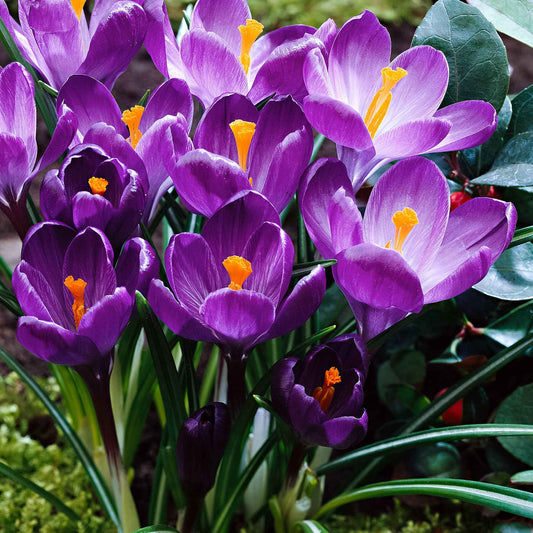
206 181
170 98
337 121
345 221
104 322
341 433
304 412
15 168
372 321
17 107
238 317
282 383
301 303
114 43
55 344
170 312
213 132
360 50
316 76
90 210
327 33
137 266
378 277
416 183
473 122
222 18
92 102
212 69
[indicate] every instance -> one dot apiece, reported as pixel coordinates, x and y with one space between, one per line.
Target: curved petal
15 168
378 277
281 385
206 181
91 210
337 121
372 321
114 43
316 76
238 318
345 431
305 412
137 266
416 183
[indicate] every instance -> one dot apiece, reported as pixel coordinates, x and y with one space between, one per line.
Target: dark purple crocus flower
76 304
201 443
53 35
409 250
376 112
229 283
242 149
221 52
18 147
157 134
92 189
321 396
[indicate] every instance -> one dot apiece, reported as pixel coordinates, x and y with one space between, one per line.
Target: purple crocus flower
321 396
376 112
18 147
409 250
92 189
157 133
241 148
53 35
76 304
221 52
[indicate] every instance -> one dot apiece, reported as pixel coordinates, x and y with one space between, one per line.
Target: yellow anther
77 6
132 118
98 185
77 289
251 181
238 269
243 132
324 395
380 103
249 33
404 221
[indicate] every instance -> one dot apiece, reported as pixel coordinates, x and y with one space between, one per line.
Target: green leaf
521 236
309 526
438 459
518 409
523 478
475 53
319 140
157 529
397 444
515 175
513 326
522 119
511 277
514 501
512 17
5 470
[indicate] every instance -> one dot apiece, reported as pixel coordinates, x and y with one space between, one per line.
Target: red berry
453 416
458 198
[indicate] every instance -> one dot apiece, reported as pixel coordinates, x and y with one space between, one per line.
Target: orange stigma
249 33
77 6
132 118
243 132
98 185
77 288
404 221
324 395
380 103
238 269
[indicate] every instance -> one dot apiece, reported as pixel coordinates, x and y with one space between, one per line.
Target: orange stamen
98 185
380 103
132 118
77 289
249 33
77 6
324 395
243 132
404 221
238 269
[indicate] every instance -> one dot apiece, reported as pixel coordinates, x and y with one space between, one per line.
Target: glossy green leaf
523 478
513 501
157 529
475 53
522 119
309 526
521 236
511 277
518 409
512 17
513 326
438 459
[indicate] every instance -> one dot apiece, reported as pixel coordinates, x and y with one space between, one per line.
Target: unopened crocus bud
453 416
458 198
201 443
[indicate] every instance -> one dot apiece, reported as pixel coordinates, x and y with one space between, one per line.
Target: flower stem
295 462
236 383
191 513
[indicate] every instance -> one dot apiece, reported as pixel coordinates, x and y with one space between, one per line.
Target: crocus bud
453 416
201 443
458 198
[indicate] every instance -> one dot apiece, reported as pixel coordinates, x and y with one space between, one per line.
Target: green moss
54 467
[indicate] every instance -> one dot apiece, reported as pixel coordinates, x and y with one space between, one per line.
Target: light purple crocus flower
75 303
54 36
18 147
241 148
408 250
157 134
220 54
378 112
